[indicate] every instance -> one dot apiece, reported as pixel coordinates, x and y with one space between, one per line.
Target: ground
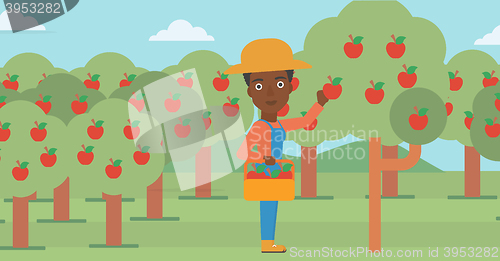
229 229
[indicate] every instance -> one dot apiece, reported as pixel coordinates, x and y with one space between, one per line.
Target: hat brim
242 68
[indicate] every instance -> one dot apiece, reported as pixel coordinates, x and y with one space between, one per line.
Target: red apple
333 89
173 103
186 79
312 125
354 48
80 105
44 76
49 158
497 101
2 101
221 83
44 103
96 130
142 156
128 80
419 120
12 82
397 48
492 129
449 108
114 170
93 81
468 119
206 119
137 101
375 95
4 131
408 78
132 131
231 108
295 82
255 175
183 129
39 133
489 80
285 175
20 173
455 82
86 156
284 111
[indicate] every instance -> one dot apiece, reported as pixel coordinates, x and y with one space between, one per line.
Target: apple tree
224 125
370 84
469 72
107 72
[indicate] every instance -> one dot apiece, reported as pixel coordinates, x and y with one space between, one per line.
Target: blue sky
93 27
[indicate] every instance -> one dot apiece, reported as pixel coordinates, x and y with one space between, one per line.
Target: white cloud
5 23
490 39
182 30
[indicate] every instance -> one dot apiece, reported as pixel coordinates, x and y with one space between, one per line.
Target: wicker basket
269 189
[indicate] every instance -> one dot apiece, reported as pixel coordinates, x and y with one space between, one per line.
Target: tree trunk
61 201
472 172
113 219
155 199
390 177
308 172
203 173
20 221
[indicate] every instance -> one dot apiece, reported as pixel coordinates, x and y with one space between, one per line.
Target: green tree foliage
111 67
486 108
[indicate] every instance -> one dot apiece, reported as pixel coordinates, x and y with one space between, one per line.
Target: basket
269 189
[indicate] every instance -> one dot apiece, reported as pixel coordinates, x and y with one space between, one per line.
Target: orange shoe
268 246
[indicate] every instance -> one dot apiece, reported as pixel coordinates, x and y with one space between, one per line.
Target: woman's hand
270 160
322 100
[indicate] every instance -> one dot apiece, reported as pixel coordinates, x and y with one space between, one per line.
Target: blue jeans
268 213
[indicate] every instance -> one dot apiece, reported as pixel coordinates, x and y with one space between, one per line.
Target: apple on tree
183 129
408 78
96 130
2 101
231 108
173 103
419 120
114 170
284 111
206 120
128 80
497 101
137 101
80 105
20 172
49 158
132 130
312 125
492 129
141 157
44 103
4 131
186 79
489 80
93 81
397 48
354 48
44 76
449 108
468 119
86 156
221 83
333 89
375 95
39 132
455 82
295 82
11 82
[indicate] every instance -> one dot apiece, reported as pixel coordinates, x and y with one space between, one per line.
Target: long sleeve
301 122
256 136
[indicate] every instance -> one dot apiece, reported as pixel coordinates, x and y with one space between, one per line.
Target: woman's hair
246 76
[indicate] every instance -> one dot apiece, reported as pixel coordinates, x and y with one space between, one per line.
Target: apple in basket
259 173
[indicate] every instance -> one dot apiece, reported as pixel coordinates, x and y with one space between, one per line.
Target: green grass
229 229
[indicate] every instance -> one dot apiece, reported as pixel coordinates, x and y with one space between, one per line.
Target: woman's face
269 90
